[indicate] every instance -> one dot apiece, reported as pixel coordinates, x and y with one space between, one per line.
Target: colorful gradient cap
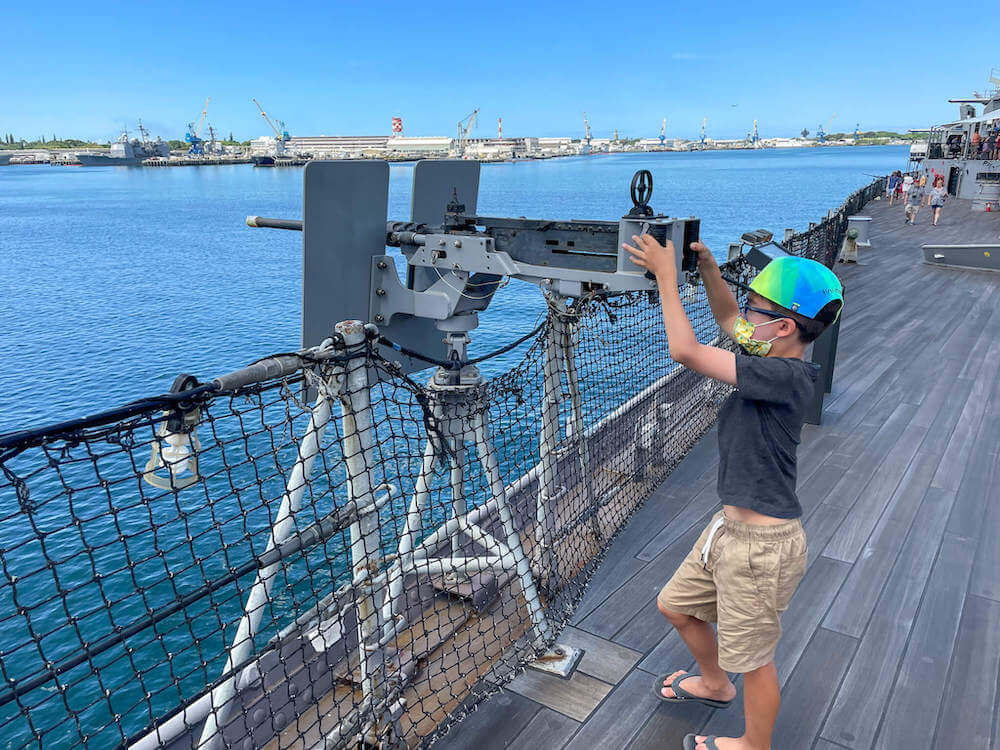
798 284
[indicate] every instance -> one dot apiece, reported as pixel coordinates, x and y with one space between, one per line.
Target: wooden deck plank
619 717
618 609
956 455
847 490
850 538
548 729
868 575
986 571
912 711
492 726
607 661
857 710
811 687
970 694
668 724
576 697
981 475
680 524
818 588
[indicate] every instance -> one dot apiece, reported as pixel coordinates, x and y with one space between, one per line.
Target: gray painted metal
345 204
985 257
862 224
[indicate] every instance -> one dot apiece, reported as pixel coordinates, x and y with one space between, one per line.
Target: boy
745 567
914 199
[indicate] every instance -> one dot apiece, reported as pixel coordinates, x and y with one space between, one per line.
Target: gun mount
455 259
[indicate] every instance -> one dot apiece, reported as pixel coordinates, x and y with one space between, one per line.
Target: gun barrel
262 222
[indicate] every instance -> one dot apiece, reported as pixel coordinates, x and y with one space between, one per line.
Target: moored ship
126 152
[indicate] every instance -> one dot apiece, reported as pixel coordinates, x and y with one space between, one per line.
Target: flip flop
690 743
683 696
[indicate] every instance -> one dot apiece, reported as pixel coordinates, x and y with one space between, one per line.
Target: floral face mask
743 331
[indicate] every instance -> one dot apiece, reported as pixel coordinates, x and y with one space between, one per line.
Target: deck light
173 462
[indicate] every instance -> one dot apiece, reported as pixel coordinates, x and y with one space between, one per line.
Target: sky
336 68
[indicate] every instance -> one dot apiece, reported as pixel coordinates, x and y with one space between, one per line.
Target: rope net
338 553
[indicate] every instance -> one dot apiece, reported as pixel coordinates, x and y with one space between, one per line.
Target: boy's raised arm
685 349
724 306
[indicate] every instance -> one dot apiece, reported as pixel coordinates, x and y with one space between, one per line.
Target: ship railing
320 550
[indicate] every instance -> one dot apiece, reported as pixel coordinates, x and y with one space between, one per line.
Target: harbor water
114 280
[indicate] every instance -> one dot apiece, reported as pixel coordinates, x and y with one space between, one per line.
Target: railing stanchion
284 524
358 441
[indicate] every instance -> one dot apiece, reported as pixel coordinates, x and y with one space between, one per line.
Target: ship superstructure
128 152
966 151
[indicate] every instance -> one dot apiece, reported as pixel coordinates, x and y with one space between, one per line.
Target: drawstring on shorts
706 549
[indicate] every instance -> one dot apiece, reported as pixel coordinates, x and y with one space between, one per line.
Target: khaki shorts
751 573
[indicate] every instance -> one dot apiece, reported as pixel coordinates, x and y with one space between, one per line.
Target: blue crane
193 136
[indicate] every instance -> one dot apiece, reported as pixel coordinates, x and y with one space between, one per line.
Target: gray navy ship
126 152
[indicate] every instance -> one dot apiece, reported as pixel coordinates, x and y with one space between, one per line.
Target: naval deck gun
456 259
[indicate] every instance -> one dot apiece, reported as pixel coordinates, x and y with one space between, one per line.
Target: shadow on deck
893 637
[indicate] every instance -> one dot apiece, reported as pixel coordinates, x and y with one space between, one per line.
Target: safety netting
322 551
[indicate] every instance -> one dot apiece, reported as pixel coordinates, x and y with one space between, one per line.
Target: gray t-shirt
915 196
760 427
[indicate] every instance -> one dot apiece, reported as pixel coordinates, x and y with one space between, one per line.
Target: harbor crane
586 128
703 122
212 145
754 138
464 126
821 133
663 132
193 136
281 136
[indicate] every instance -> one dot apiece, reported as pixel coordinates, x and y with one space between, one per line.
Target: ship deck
893 637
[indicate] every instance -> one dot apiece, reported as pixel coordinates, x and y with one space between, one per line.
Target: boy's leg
761 701
688 601
699 637
759 570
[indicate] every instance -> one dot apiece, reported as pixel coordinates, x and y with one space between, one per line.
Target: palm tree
805 133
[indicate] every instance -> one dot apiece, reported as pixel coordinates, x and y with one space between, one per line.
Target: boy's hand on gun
704 254
654 257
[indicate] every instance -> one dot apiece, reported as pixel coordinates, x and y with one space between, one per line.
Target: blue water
114 280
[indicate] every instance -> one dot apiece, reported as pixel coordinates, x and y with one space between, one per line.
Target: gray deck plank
811 687
618 609
818 588
607 661
493 726
688 516
981 474
857 710
576 697
864 585
853 482
968 709
548 729
956 455
850 538
619 717
986 572
668 724
912 711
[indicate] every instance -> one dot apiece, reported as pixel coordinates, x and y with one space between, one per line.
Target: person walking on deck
907 184
938 195
749 560
914 199
892 185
